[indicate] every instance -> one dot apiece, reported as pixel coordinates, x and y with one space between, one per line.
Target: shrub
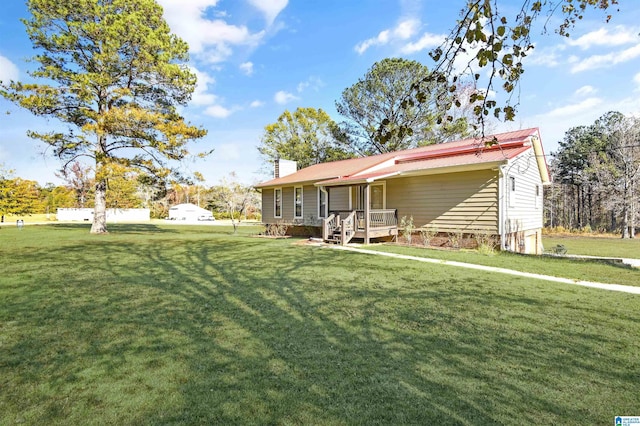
455 239
485 242
407 228
427 234
276 229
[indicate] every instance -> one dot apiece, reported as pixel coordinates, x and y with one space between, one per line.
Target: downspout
502 207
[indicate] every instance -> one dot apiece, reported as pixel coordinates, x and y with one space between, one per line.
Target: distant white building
113 215
189 212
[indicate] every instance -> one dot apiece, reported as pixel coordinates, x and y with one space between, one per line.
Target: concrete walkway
603 286
634 263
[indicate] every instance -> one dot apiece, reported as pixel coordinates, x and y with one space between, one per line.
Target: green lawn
193 325
586 270
596 246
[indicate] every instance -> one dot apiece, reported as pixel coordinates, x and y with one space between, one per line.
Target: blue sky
256 58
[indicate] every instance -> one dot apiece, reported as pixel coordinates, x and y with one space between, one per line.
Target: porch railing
350 222
379 218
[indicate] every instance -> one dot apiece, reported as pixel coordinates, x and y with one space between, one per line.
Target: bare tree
233 198
80 179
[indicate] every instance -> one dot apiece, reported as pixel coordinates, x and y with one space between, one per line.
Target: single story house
465 186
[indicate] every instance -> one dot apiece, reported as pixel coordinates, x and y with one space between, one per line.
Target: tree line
596 174
125 189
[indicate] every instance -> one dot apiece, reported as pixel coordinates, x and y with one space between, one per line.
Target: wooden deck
341 227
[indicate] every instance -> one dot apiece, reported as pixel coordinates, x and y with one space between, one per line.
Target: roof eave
353 181
454 168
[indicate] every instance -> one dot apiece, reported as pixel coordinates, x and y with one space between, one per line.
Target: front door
376 200
377 197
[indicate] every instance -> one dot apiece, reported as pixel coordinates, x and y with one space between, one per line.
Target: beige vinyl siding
339 198
523 205
287 204
466 201
309 206
268 206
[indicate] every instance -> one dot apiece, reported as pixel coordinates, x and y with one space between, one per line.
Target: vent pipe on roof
282 168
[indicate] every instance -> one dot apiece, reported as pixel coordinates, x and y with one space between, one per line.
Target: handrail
348 228
328 225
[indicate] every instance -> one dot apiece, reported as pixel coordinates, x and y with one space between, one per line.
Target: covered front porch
365 216
342 227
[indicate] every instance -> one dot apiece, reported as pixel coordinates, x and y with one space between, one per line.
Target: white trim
502 205
323 214
295 204
274 203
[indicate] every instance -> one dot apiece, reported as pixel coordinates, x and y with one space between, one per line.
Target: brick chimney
282 168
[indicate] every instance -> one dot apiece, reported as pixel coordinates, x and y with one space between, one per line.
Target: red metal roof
450 154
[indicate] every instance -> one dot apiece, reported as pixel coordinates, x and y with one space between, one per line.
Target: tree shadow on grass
238 330
129 228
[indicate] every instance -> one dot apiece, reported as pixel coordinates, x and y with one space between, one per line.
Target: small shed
189 212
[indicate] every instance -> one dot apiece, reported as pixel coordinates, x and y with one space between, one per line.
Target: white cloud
547 56
586 90
427 41
577 108
556 122
403 31
256 104
270 8
607 60
247 68
312 82
282 97
218 111
406 29
200 94
8 70
636 80
209 39
619 35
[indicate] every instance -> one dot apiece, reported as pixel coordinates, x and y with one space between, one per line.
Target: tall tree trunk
625 211
99 225
580 201
625 223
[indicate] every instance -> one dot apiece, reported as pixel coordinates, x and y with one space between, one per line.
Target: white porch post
367 209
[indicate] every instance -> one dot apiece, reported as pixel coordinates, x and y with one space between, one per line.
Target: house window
277 202
512 191
297 202
322 203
